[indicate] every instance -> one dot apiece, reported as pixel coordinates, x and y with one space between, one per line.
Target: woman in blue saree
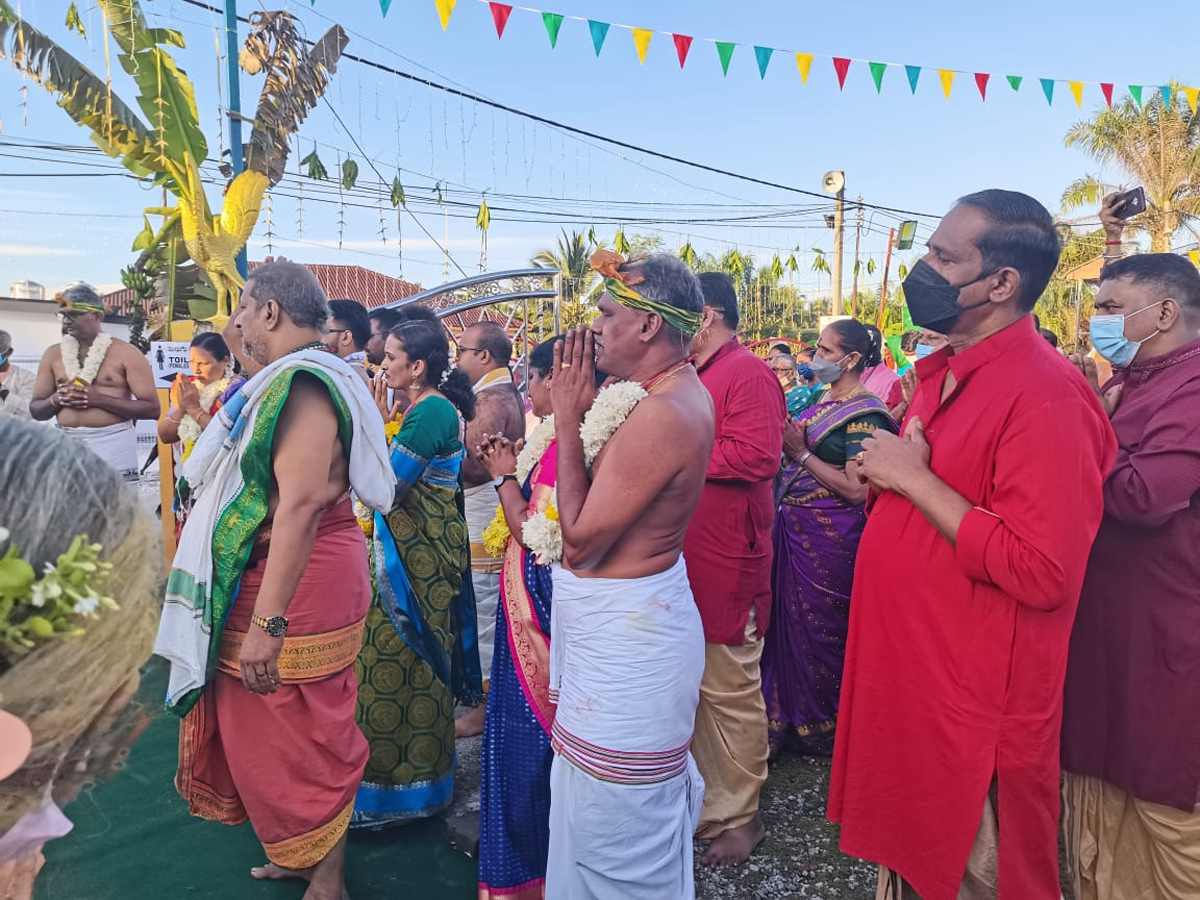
419 654
819 521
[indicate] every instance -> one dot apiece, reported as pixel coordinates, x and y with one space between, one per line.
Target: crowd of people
970 580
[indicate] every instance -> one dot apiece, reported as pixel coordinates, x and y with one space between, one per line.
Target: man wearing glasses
16 383
484 352
94 385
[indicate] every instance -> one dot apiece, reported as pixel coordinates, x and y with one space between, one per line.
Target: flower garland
36 609
542 532
496 535
189 429
90 368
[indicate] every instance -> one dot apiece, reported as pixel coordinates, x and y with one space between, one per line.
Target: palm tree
579 282
1156 147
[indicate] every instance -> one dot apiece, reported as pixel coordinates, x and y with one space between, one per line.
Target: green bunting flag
914 75
1014 81
385 5
725 51
553 22
1135 91
877 70
763 56
1048 89
599 32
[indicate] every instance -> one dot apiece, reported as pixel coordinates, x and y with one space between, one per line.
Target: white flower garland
189 429
542 532
90 368
535 448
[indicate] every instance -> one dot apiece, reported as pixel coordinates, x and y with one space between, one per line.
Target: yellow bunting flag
804 61
1076 91
641 40
947 77
1192 95
445 8
1194 256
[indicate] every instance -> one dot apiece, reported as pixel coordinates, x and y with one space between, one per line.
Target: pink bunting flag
500 14
981 82
1106 89
841 65
683 43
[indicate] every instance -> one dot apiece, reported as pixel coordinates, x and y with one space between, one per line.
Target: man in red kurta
728 554
985 511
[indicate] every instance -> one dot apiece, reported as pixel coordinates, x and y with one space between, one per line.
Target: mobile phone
1129 203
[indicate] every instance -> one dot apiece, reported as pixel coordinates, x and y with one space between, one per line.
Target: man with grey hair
484 352
627 646
268 732
95 386
16 383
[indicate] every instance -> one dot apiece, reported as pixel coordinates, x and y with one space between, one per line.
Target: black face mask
933 301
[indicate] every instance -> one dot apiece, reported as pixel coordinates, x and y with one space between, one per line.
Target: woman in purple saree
819 520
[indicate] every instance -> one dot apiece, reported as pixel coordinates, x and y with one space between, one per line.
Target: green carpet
133 838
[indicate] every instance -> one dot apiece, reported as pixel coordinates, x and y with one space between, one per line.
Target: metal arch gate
493 288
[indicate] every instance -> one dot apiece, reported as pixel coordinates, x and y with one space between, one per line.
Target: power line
512 110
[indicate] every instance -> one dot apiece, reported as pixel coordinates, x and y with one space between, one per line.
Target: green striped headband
681 319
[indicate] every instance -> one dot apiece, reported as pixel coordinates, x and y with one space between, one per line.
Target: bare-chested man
96 385
627 646
484 352
272 736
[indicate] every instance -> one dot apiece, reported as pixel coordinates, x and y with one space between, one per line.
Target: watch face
276 626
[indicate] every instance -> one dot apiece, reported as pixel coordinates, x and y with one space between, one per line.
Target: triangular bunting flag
445 8
553 22
385 5
1106 89
841 65
725 51
1048 89
683 43
804 63
1014 81
599 32
981 82
1192 94
1135 91
500 14
763 55
914 74
641 40
947 77
1165 90
877 70
1194 256
1076 91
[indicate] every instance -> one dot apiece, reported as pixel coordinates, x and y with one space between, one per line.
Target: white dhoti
480 504
626 659
115 444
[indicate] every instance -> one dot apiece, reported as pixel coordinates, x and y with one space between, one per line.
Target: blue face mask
1108 337
923 350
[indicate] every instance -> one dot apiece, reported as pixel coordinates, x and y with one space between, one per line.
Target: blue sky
898 150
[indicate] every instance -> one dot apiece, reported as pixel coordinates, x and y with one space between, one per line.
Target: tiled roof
369 288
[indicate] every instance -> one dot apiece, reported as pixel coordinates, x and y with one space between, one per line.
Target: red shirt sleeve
1149 485
749 440
1046 504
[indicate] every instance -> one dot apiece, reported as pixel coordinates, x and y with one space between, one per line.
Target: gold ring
858 458
565 365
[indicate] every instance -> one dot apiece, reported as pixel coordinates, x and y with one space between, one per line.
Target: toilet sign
168 358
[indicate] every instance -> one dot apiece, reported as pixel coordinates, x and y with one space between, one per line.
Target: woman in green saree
419 654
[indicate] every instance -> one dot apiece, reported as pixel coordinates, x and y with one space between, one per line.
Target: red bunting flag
1106 89
500 14
683 43
981 82
842 65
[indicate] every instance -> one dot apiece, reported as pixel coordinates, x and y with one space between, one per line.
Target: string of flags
842 65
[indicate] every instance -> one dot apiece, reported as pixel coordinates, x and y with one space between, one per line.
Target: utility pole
237 153
839 236
857 242
887 264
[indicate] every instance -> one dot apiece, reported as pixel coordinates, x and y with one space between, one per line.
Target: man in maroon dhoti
728 553
1131 724
984 510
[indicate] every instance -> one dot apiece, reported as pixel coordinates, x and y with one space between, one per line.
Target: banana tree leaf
483 218
349 174
397 192
74 23
315 168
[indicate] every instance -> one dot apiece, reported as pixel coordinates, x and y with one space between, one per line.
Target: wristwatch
276 626
500 479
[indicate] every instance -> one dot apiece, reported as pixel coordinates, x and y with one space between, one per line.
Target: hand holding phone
1128 204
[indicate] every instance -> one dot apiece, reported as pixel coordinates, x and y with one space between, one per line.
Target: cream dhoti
479 508
115 444
626 658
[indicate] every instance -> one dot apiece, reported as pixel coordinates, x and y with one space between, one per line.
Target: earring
414 384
